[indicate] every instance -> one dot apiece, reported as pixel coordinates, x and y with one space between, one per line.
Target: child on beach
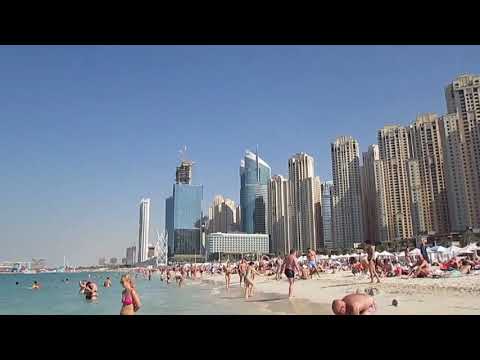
250 279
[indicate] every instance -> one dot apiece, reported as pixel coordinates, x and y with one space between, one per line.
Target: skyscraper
183 214
301 196
254 176
326 223
317 208
427 137
143 231
462 151
347 209
373 196
279 229
169 227
395 153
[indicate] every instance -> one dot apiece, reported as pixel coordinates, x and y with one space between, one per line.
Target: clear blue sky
87 131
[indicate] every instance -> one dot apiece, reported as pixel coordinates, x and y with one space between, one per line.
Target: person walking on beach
371 258
130 299
227 269
291 265
354 304
242 270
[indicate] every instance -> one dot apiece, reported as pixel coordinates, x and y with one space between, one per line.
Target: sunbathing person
388 268
466 266
354 304
422 268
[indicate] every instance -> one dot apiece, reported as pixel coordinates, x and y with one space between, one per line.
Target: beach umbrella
386 253
453 250
415 252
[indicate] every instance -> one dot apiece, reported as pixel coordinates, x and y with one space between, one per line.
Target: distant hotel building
326 219
130 256
462 151
347 210
254 177
373 197
302 201
223 216
237 243
144 228
279 225
183 214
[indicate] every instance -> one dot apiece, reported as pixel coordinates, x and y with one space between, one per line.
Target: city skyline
89 152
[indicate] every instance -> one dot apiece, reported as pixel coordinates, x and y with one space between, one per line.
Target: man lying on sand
354 304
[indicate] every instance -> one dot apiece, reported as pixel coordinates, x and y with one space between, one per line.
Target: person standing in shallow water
107 283
130 299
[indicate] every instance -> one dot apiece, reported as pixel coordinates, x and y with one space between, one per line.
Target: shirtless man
291 265
242 270
354 304
107 282
421 269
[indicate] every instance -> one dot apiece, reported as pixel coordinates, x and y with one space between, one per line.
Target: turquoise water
59 298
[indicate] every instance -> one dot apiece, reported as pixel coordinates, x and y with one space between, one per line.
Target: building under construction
184 172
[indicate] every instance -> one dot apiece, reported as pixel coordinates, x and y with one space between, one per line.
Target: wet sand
453 296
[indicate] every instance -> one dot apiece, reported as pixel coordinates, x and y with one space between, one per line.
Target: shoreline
453 296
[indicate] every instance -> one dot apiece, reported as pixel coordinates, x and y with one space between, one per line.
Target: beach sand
452 296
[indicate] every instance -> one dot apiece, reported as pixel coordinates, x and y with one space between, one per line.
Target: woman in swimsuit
228 272
372 263
250 280
130 299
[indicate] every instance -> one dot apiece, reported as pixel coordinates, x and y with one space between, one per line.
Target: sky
87 131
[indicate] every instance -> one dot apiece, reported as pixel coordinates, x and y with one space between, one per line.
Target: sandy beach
452 296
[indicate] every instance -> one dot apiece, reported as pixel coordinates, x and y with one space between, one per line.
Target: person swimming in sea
91 291
35 285
130 299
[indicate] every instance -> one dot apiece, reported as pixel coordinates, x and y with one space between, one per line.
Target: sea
60 297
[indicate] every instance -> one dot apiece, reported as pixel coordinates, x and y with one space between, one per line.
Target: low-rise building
237 243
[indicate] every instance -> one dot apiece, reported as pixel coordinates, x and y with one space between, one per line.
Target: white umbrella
415 252
386 253
453 250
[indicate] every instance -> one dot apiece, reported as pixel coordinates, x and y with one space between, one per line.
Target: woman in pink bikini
130 299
